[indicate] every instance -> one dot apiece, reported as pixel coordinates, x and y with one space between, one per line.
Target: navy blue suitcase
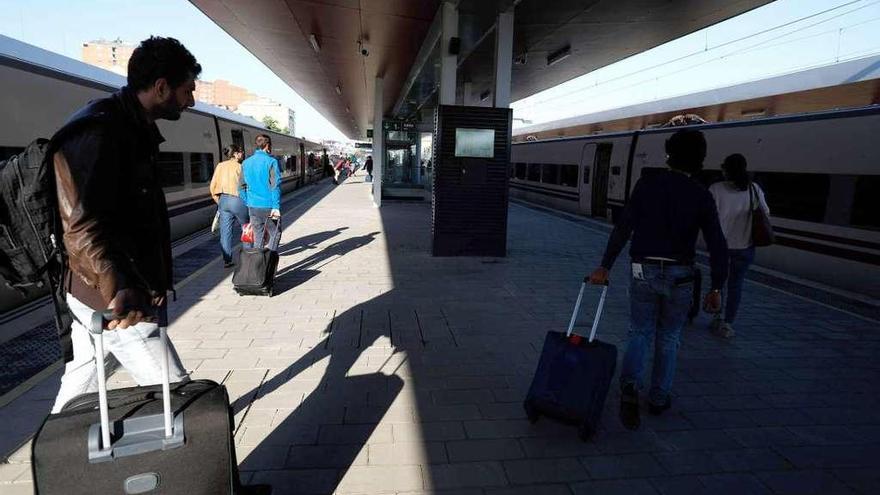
573 376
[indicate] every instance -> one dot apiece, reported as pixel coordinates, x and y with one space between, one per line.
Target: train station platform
377 368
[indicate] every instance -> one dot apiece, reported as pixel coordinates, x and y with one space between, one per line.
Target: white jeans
137 348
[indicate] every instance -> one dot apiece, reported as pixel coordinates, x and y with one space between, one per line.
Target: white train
39 90
821 173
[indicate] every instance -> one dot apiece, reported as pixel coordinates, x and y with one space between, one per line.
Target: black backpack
32 256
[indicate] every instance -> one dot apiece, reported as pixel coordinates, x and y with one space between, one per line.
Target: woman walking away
224 190
735 198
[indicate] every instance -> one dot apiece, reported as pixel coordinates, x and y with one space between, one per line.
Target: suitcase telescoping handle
99 320
577 307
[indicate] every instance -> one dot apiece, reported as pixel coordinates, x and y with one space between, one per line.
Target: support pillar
448 62
378 141
503 59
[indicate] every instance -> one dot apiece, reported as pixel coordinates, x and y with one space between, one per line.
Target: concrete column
378 141
418 159
448 63
503 59
468 94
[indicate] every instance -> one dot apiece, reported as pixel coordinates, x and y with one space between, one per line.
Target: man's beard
169 110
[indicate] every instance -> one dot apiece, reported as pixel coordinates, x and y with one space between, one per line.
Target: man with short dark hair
261 189
115 220
664 215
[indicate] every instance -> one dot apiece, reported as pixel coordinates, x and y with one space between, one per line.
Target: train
820 172
40 90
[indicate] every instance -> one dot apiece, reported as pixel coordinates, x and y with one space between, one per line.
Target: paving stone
734 484
531 490
803 483
468 474
622 466
483 450
674 485
614 487
379 479
533 471
688 462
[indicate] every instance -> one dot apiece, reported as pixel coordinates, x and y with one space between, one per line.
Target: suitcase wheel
531 413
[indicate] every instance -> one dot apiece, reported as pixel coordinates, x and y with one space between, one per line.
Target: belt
652 261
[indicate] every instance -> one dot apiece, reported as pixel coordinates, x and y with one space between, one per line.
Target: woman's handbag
762 229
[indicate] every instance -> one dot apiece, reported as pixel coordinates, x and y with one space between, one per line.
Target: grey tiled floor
380 369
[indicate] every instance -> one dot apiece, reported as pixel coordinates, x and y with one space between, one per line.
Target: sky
62 26
781 37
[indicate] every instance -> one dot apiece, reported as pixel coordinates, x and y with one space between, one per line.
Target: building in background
110 55
222 94
114 55
266 110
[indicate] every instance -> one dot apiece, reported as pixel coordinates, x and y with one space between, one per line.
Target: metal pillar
448 62
503 59
378 141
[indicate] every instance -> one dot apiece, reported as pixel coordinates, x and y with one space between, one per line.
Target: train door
238 138
601 165
588 154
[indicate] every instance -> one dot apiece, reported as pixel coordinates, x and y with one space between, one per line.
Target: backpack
32 256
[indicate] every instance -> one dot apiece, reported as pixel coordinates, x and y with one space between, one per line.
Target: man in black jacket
114 217
665 212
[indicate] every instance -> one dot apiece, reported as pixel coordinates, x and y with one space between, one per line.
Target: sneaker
658 409
629 408
723 330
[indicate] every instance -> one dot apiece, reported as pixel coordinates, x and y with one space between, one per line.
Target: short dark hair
686 150
231 149
262 140
158 58
735 166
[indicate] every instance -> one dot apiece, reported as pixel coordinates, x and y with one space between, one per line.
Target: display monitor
477 143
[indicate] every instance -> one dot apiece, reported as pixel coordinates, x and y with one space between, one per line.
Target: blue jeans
259 221
740 259
659 304
232 209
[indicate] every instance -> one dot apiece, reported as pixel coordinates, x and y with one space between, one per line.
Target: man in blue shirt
261 190
664 215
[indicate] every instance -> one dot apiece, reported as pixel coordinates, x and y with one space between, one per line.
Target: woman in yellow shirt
224 190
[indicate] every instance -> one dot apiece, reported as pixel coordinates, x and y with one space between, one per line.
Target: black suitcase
255 268
573 376
182 446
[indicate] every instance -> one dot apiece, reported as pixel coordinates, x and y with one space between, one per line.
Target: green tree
285 131
271 124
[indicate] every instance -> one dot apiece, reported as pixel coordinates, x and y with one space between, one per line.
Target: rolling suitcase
169 439
573 376
255 268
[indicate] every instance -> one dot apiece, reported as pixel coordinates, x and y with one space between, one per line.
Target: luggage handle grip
99 319
577 307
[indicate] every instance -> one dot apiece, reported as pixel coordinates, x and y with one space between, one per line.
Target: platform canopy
330 51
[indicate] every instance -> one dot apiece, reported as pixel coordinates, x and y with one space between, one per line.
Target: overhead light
485 95
338 90
314 41
558 55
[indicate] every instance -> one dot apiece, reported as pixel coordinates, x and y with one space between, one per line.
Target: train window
201 168
568 175
550 173
795 196
171 170
709 177
511 169
586 174
866 202
534 174
7 152
650 170
238 138
521 170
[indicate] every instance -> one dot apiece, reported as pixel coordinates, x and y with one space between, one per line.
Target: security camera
365 52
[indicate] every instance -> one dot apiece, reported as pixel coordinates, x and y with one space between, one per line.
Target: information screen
477 143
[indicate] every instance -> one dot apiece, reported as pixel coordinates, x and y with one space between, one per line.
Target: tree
271 124
285 131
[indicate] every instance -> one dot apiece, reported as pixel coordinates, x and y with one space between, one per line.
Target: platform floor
377 368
